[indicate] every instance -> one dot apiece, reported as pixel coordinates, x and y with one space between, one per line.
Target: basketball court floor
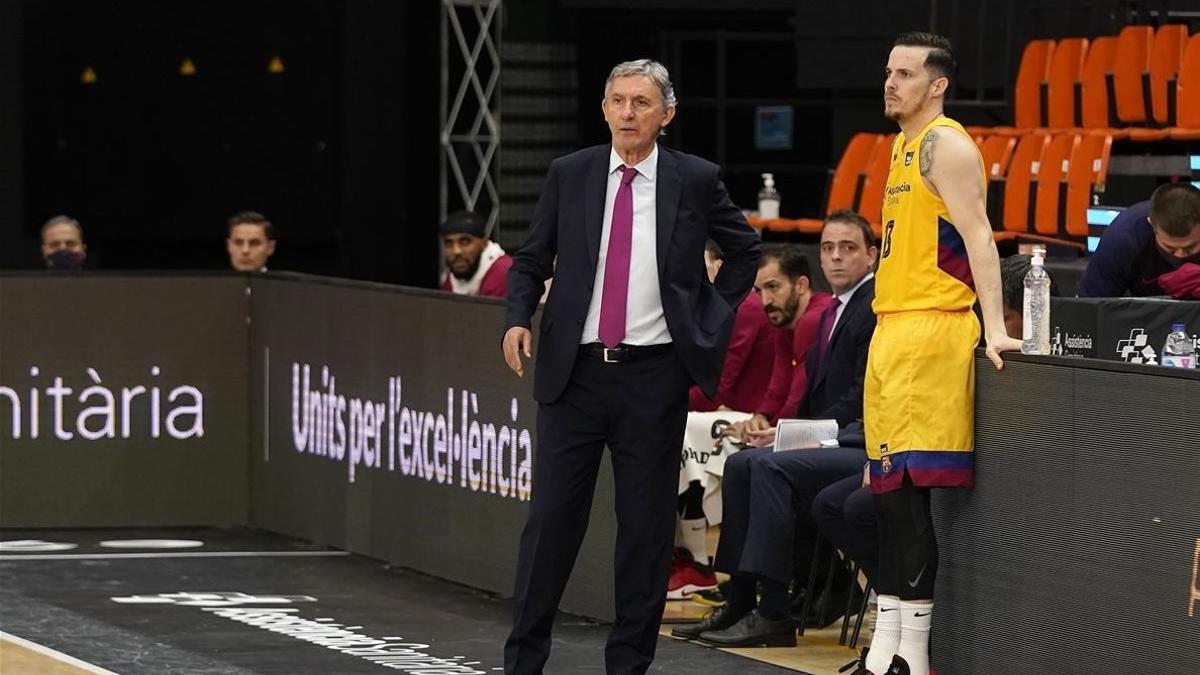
243 601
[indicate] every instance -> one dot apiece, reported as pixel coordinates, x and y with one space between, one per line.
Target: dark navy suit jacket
835 382
691 206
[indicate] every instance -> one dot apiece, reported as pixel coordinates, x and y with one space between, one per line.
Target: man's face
783 299
845 257
633 107
249 247
62 237
1178 250
1014 323
909 85
712 264
462 253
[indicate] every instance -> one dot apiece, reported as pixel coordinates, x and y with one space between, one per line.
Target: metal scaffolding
470 108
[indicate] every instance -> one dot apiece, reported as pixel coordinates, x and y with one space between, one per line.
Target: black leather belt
622 353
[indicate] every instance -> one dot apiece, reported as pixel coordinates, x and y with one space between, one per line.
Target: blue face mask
66 260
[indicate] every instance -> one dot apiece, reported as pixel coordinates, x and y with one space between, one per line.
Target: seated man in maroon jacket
785 300
475 265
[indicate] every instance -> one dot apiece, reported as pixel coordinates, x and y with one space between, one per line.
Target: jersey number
887 237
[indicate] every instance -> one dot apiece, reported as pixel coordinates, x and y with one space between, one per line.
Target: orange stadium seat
1022 172
1166 57
871 204
1085 177
1131 75
1098 107
1049 214
844 187
1064 87
1033 72
847 182
1188 97
997 152
1028 103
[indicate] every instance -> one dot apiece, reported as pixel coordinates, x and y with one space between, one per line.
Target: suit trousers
845 514
768 500
638 409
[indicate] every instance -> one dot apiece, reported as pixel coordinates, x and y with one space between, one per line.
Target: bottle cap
1178 328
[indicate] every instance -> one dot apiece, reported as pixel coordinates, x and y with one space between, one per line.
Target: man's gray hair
652 69
62 220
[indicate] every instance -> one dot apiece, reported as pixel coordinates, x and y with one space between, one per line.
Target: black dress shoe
719 619
754 631
899 666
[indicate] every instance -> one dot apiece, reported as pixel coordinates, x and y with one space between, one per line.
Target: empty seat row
1142 84
1040 184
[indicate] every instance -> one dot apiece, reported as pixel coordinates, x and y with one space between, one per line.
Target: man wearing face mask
1151 248
62 244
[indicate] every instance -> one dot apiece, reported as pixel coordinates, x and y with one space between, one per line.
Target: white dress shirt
645 323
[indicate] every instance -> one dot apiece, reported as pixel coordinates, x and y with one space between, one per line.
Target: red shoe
687 579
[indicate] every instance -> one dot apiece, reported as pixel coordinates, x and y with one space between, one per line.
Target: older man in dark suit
631 322
768 494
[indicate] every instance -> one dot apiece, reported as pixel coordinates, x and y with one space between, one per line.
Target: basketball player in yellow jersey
937 257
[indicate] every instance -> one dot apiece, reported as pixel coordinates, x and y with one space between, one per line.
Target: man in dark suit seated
630 323
768 494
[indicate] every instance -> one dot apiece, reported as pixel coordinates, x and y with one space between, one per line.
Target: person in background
475 265
250 241
768 536
62 244
1151 248
783 284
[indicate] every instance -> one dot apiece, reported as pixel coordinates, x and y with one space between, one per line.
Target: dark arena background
324 465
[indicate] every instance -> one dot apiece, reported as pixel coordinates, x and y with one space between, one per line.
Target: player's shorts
919 399
703 459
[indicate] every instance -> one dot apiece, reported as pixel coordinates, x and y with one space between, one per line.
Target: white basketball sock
915 618
695 538
886 639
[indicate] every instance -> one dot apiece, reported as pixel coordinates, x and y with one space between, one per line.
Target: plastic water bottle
768 198
1179 351
1035 334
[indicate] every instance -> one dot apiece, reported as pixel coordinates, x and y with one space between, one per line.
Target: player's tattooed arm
926 151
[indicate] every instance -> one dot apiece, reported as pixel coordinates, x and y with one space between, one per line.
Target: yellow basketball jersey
922 261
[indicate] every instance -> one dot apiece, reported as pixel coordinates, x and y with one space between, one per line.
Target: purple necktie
826 327
616 263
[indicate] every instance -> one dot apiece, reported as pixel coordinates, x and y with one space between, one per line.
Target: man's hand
761 439
866 480
1001 344
518 340
742 430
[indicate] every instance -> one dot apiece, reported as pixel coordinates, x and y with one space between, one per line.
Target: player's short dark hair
940 60
1012 281
851 217
714 249
251 218
1175 208
792 262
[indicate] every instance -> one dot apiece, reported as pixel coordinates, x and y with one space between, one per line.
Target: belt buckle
605 352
